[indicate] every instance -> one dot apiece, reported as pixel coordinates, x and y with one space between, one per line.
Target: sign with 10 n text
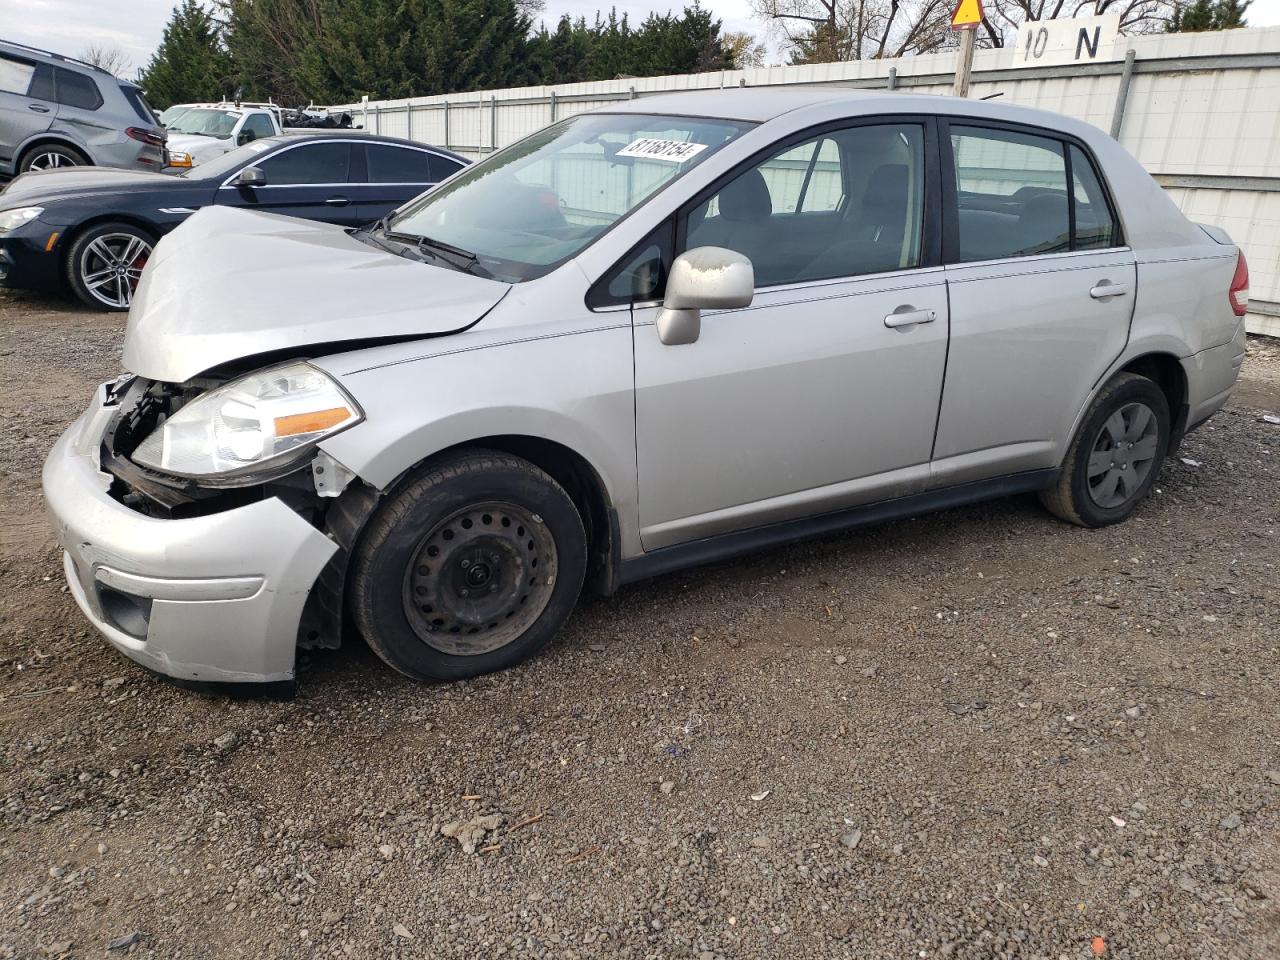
1049 43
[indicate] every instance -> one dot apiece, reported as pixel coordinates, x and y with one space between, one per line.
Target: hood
77 181
231 284
198 145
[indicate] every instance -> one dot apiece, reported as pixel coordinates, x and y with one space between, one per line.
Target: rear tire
1115 456
51 156
471 566
104 264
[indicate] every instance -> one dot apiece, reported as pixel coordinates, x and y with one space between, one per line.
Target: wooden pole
964 64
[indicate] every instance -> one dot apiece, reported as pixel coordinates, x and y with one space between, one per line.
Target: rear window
15 76
140 105
389 164
77 90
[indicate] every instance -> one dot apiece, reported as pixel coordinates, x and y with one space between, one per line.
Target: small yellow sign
967 15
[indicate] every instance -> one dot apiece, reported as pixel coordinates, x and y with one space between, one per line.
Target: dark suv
59 112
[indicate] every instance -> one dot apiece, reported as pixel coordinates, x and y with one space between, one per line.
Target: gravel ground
980 733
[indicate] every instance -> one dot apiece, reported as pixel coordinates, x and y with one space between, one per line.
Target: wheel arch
325 612
1165 370
48 139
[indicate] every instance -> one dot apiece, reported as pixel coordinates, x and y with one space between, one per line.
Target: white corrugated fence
1201 111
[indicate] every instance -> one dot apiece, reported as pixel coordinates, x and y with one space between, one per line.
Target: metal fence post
1122 95
893 78
493 124
446 126
408 120
377 118
553 106
633 92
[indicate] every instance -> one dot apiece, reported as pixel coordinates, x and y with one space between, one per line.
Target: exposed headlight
13 219
250 429
179 158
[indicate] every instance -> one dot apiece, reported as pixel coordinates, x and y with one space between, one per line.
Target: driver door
818 396
309 180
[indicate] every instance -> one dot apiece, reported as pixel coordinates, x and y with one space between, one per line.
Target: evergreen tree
1202 15
191 63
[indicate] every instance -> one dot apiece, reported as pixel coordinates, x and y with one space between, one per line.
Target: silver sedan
668 332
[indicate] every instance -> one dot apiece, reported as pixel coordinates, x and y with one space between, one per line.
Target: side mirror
251 177
245 136
704 278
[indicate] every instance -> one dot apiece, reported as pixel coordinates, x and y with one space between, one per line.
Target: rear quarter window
388 164
77 90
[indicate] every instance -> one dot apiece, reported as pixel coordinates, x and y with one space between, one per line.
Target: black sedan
92 229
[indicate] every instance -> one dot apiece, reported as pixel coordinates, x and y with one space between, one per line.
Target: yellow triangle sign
967 15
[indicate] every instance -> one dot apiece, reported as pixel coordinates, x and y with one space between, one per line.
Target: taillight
145 136
1239 292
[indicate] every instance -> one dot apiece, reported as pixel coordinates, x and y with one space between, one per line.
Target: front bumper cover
216 598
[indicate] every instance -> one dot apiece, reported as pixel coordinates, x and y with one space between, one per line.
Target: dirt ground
980 733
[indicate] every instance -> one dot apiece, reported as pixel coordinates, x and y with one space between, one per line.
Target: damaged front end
307 480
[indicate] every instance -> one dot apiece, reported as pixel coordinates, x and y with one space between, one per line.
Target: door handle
37 108
337 202
909 316
1106 289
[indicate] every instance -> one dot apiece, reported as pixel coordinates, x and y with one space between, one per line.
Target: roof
761 104
298 132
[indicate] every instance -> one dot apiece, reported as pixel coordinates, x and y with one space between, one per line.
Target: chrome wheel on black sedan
105 264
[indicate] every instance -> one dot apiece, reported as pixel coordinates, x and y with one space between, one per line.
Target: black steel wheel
470 566
1114 458
480 578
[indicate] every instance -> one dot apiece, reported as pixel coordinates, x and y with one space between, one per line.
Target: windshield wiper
456 257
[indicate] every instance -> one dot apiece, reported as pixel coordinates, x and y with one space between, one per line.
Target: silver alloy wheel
52 160
480 578
1122 455
110 266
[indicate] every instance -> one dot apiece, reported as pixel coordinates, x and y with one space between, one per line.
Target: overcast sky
135 26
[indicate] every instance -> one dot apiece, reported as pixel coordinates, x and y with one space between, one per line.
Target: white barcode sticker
649 148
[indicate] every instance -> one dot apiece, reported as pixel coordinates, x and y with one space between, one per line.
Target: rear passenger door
394 175
1041 288
79 108
22 115
823 393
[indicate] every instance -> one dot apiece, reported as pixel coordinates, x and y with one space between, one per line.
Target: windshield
230 161
207 123
173 113
530 207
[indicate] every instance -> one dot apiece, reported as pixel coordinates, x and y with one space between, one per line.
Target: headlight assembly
251 429
13 219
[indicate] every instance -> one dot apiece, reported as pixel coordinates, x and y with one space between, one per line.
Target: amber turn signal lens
313 422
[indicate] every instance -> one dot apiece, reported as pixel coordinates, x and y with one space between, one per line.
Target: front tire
1115 455
105 262
471 566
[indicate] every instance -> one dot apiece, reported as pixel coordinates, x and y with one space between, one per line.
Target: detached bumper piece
215 598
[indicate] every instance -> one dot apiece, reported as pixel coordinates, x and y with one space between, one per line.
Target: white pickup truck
207 131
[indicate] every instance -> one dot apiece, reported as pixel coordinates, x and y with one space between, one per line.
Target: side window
15 76
42 84
1095 228
1011 190
641 275
442 167
259 124
77 90
388 164
844 204
309 163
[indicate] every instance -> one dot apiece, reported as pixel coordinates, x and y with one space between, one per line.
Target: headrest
746 199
